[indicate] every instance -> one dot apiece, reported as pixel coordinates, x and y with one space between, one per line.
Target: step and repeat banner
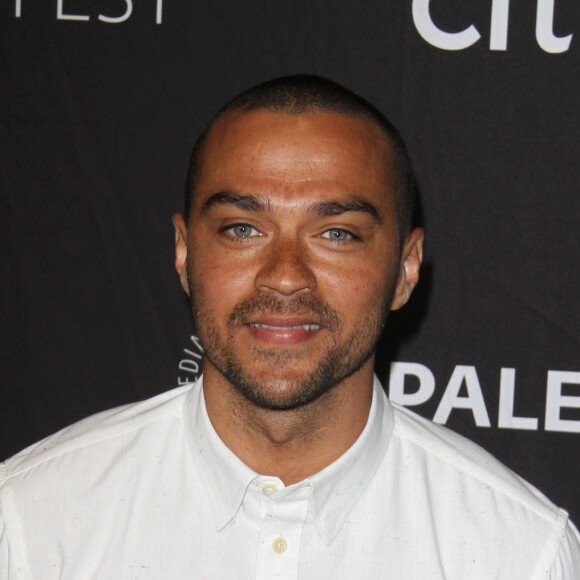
101 102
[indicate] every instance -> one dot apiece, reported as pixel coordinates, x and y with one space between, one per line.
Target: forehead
280 152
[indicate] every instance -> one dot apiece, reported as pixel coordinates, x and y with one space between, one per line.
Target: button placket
281 533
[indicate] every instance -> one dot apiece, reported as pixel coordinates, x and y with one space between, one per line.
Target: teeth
296 327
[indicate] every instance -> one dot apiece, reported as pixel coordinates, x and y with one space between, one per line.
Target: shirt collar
226 476
335 489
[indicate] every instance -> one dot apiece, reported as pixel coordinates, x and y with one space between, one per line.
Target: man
286 460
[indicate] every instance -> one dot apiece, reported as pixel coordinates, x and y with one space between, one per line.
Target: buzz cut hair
302 94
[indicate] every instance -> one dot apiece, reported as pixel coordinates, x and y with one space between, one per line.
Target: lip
284 321
283 331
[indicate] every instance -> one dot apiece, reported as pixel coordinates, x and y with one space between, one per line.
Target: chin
283 388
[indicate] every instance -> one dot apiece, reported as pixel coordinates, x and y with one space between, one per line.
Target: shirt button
279 545
269 489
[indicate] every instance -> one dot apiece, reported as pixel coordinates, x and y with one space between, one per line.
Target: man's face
291 254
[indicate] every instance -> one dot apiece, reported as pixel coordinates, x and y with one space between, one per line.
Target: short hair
301 94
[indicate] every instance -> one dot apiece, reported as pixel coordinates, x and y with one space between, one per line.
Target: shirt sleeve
566 564
4 550
13 561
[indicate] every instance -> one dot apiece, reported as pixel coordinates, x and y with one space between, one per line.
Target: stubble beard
338 361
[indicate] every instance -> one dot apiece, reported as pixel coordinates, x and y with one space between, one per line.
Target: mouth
307 327
283 332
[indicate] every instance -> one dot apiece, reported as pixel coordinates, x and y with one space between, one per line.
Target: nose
285 269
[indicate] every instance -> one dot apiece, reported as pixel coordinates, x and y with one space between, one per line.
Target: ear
181 249
411 258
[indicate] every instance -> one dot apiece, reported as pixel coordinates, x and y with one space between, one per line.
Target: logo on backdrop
463 379
63 12
499 29
190 365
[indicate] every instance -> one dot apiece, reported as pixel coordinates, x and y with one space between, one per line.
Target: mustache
303 305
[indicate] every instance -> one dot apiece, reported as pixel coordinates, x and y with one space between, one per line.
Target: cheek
218 285
364 277
356 292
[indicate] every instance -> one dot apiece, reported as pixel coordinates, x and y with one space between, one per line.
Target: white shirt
149 491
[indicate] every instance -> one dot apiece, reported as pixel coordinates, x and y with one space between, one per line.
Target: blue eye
337 235
241 231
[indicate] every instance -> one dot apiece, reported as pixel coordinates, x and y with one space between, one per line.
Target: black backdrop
101 101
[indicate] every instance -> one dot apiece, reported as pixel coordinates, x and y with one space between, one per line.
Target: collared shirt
149 491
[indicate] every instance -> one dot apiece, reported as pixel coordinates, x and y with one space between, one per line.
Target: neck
291 444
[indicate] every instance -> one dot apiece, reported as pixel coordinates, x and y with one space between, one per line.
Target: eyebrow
245 202
330 208
320 208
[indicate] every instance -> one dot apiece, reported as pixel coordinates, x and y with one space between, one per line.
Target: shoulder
99 429
450 451
478 494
